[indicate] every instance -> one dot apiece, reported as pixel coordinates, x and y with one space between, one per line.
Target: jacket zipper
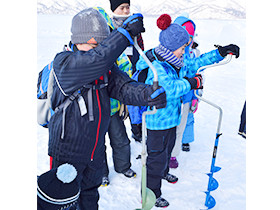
99 122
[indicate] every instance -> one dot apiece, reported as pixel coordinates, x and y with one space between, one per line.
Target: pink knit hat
189 27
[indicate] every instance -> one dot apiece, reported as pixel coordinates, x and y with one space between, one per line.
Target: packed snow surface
224 85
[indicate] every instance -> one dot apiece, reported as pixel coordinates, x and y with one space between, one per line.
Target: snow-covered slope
198 9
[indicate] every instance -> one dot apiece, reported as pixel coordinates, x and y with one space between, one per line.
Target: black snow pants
120 144
159 146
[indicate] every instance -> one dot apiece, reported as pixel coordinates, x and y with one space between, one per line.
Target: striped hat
58 188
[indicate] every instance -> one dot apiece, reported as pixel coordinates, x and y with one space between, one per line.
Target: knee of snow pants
120 144
92 178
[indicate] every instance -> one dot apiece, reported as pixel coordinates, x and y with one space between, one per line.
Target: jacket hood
181 20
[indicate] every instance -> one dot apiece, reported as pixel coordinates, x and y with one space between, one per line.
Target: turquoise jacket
175 87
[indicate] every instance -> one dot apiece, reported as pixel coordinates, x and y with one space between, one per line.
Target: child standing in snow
187 118
185 131
85 79
121 11
161 127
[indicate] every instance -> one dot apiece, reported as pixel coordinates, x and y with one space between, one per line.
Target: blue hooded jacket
181 20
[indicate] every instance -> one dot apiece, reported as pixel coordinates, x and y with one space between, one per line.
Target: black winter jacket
84 139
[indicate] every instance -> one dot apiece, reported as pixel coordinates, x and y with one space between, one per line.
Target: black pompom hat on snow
58 188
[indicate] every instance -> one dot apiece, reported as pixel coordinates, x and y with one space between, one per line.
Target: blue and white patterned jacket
175 87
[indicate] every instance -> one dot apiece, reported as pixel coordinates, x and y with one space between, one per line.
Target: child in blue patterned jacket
184 131
177 76
161 127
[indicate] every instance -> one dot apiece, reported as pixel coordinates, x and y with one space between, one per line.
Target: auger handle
147 193
155 86
226 60
223 62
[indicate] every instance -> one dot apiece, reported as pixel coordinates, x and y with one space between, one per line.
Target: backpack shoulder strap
77 95
64 106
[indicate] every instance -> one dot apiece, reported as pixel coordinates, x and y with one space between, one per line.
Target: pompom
164 21
66 173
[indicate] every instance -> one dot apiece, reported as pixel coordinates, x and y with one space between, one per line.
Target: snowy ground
225 86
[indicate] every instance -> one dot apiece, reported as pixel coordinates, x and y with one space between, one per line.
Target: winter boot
171 178
105 181
243 134
161 202
186 147
173 163
130 173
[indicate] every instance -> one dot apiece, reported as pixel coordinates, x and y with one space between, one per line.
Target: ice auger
212 182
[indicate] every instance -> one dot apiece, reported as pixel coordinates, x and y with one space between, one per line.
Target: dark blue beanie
58 189
172 36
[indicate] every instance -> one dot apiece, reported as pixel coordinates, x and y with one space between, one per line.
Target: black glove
156 98
134 24
194 45
232 48
195 82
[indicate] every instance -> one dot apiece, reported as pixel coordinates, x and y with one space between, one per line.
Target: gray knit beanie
88 24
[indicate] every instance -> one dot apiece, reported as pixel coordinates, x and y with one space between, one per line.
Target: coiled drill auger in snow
212 182
148 196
